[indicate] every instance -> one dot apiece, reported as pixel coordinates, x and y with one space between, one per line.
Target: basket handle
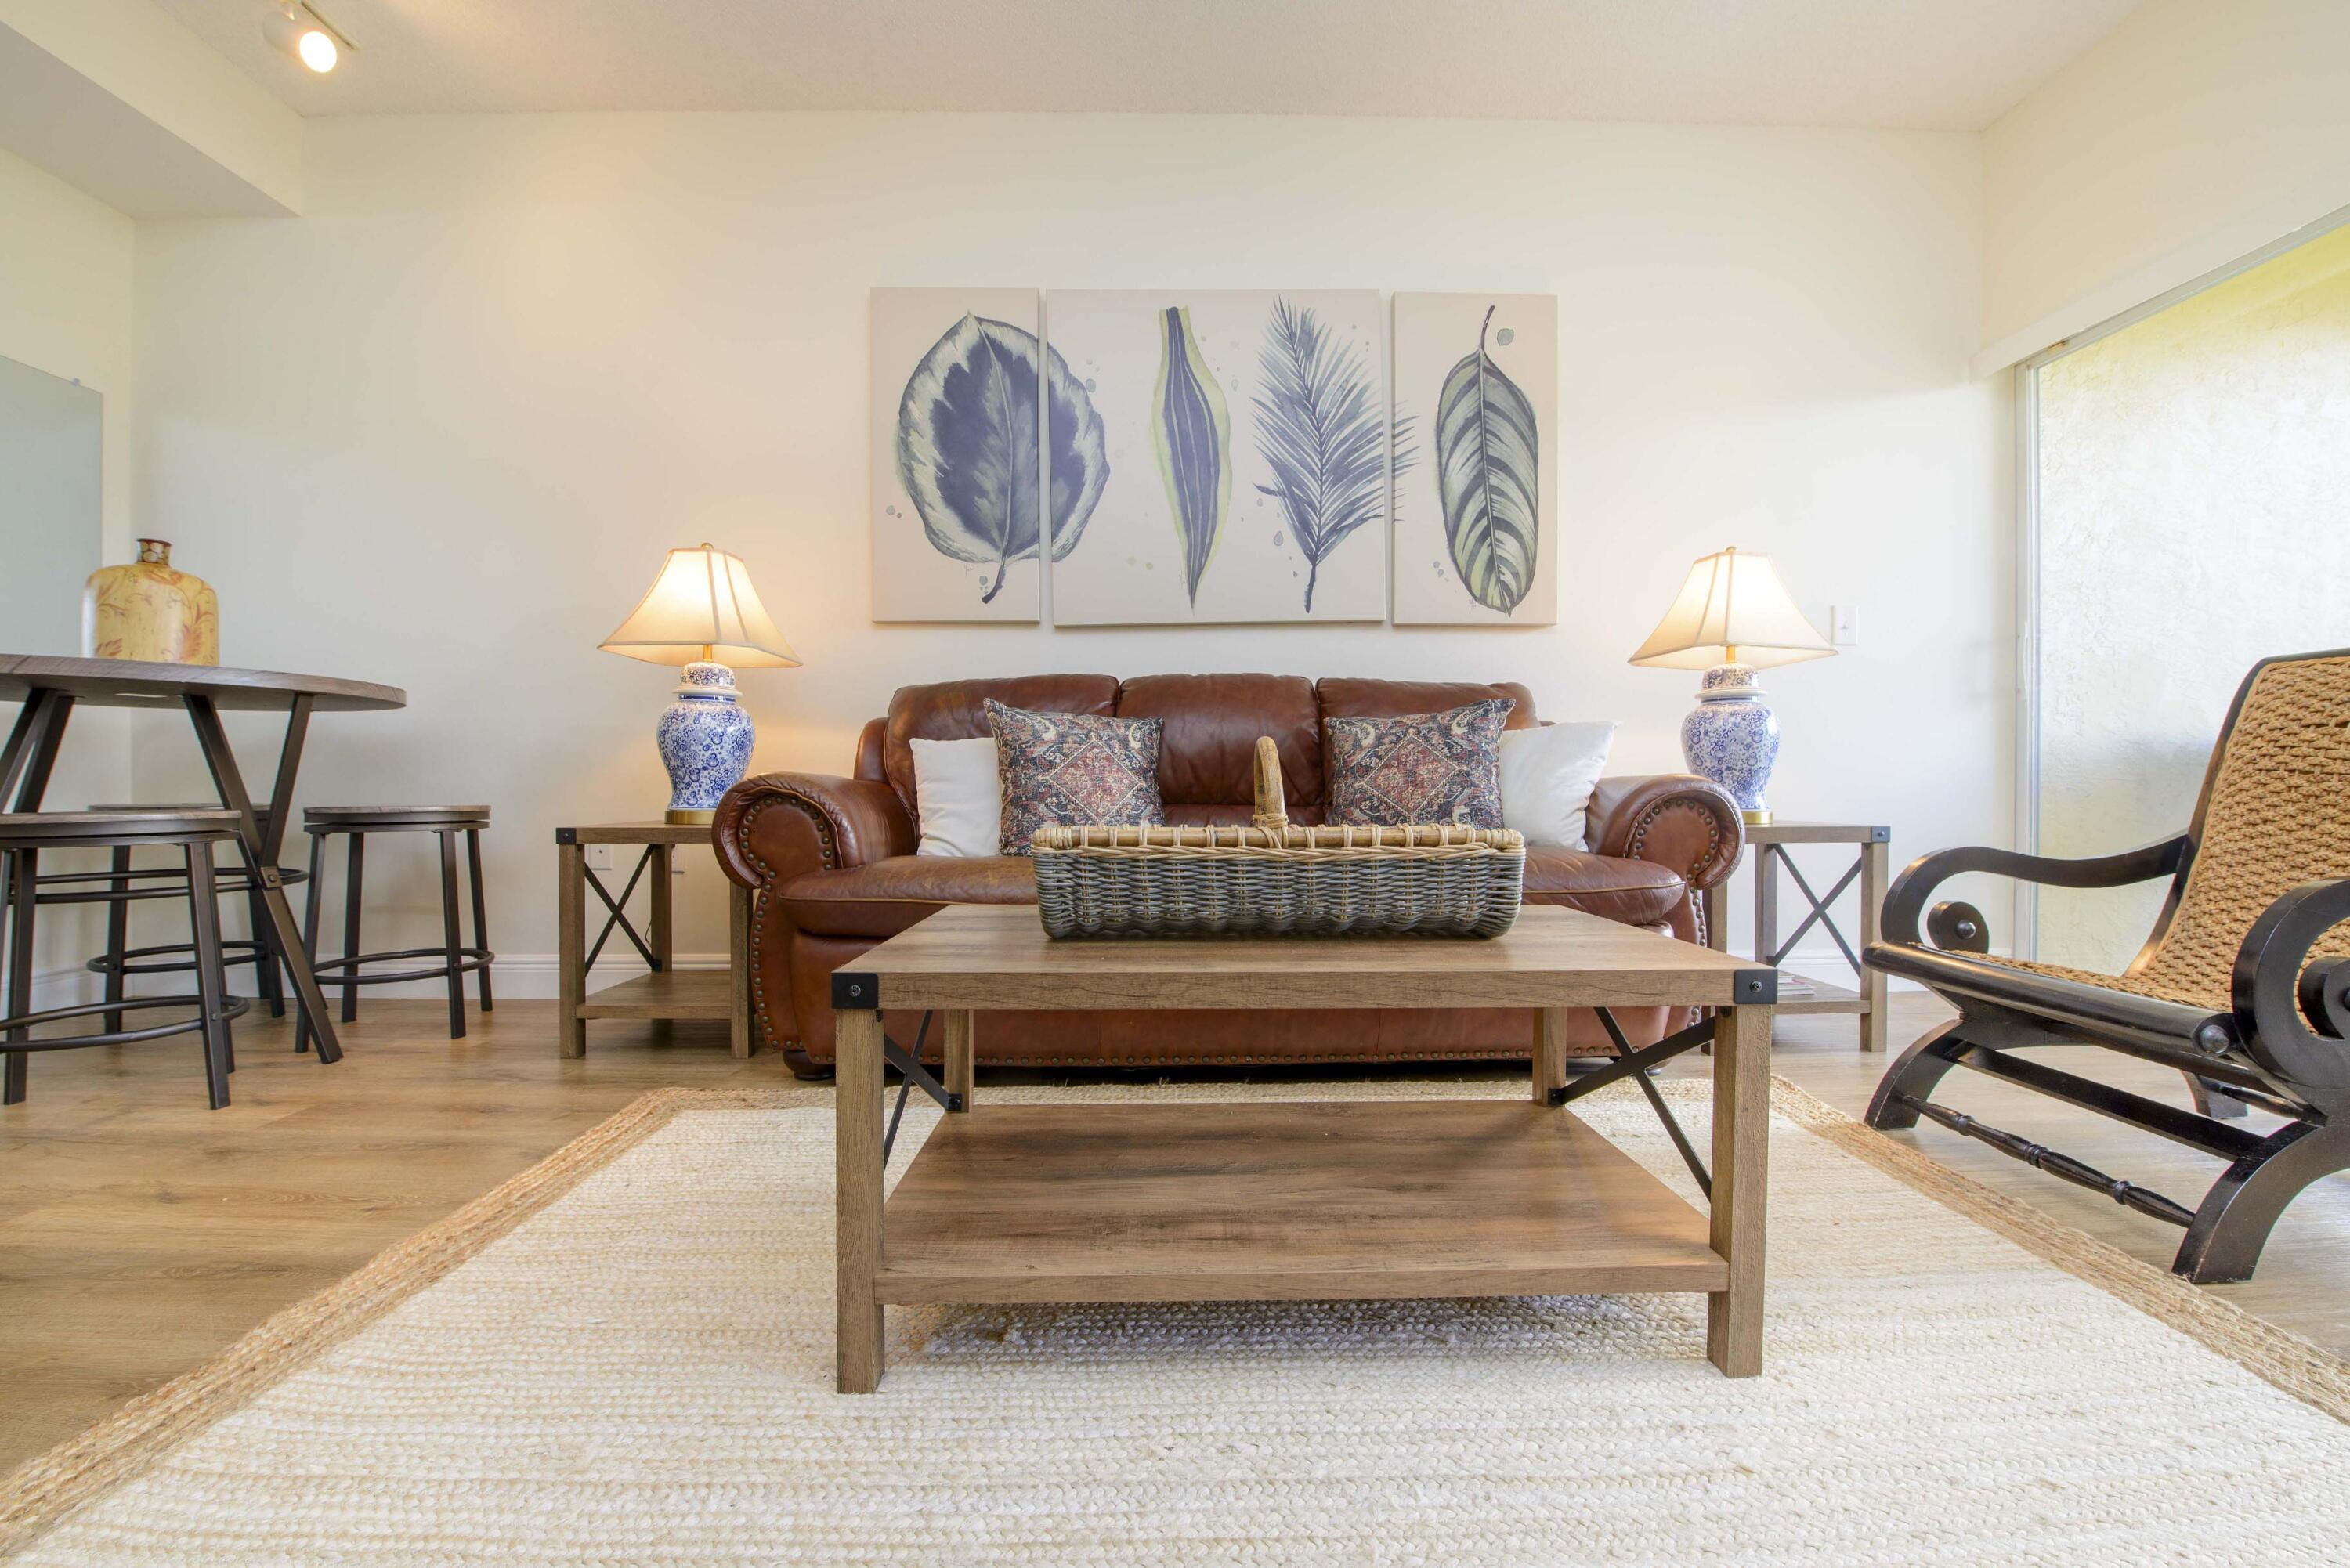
1272 810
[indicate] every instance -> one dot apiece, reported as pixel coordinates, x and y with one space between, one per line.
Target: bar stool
126 885
322 822
197 834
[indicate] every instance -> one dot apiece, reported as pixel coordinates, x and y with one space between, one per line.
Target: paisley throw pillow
1422 768
1074 769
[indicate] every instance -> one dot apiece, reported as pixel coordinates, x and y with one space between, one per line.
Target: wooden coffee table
1285 1200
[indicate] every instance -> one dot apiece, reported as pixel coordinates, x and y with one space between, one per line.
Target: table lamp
703 613
1734 615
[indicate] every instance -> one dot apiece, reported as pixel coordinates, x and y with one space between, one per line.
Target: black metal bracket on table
851 991
619 917
1752 987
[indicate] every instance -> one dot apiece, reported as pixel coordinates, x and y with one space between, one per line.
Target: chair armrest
2293 1014
779 825
1961 927
1677 820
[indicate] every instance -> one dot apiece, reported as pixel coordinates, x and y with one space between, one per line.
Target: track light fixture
305 35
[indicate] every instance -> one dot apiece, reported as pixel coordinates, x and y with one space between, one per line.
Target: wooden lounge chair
2244 985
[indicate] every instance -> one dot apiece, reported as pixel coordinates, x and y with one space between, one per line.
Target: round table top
134 684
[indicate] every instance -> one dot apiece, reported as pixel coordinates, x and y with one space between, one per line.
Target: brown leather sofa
832 861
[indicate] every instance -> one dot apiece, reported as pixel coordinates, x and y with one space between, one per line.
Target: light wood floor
141 1232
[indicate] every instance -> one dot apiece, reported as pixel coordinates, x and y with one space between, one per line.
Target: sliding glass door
2193 515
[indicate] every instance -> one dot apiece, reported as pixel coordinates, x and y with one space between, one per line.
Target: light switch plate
1844 625
599 857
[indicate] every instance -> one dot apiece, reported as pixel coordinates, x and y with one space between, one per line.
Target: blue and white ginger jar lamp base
705 738
1733 738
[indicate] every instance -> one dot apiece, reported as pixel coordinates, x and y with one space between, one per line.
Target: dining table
50 687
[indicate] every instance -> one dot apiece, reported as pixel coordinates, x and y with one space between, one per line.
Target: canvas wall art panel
1476 471
1245 438
959 503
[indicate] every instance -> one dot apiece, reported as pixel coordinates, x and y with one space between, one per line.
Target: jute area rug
624 1356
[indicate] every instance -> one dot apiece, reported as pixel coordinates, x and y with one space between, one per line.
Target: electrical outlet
599 857
1844 625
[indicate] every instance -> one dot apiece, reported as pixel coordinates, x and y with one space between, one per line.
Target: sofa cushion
1073 769
1213 723
1422 767
886 897
957 710
1348 697
1637 892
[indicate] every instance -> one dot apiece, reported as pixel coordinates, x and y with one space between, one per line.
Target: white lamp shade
701 607
1733 609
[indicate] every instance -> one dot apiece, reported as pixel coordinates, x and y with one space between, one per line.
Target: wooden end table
665 992
1285 1200
1771 840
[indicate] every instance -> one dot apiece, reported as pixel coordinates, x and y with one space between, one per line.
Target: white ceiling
1919 64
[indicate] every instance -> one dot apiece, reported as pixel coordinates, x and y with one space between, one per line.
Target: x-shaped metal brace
618 916
1635 1064
912 1072
1819 915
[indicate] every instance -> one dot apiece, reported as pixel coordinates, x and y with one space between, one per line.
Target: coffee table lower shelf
1281 1201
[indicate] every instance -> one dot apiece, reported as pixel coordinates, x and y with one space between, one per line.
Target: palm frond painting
1192 434
1245 443
1319 429
1478 552
967 448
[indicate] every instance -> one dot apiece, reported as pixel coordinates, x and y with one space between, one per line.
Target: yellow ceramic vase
147 611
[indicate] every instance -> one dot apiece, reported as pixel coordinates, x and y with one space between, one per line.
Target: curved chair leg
1913 1077
203 907
21 871
481 912
2212 1099
118 932
2233 1222
451 942
312 904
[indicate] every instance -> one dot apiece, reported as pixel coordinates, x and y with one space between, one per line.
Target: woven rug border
45 1489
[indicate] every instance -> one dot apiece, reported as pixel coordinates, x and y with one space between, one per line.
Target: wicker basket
1425 881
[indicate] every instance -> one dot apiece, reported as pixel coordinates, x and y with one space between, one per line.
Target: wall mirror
50 516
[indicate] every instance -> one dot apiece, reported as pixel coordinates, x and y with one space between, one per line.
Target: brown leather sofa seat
832 860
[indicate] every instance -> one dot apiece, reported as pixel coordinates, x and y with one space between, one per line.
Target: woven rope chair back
2279 815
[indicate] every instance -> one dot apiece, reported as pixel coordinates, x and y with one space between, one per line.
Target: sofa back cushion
957 710
1207 757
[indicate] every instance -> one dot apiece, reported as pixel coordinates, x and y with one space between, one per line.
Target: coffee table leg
856 1108
1549 1052
1741 1143
960 1024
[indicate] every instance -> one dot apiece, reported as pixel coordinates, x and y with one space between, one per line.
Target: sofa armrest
1679 820
779 825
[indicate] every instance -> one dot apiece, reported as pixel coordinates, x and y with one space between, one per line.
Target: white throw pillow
960 795
1547 774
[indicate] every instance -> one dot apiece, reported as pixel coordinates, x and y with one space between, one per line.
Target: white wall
65 264
438 431
2194 134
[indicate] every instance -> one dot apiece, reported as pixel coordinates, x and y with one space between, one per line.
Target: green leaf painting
1192 434
1487 478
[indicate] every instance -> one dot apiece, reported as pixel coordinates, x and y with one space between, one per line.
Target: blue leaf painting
1076 458
1487 477
967 448
1192 434
1319 429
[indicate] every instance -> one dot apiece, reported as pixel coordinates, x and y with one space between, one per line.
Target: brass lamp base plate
690 818
1756 818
